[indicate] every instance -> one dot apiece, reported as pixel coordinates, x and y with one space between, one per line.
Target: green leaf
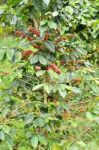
46 2
82 144
29 119
37 87
34 59
55 13
90 116
2 53
56 147
62 93
50 46
69 9
34 141
9 146
47 88
23 2
53 75
6 129
42 60
5 146
39 122
40 73
42 139
74 147
9 54
2 135
52 25
5 112
73 89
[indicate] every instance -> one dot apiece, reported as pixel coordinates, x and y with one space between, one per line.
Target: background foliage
49 75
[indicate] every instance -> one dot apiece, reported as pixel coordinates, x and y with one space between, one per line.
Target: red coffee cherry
34 31
49 68
46 36
38 46
62 62
20 34
57 70
53 66
27 53
30 38
37 68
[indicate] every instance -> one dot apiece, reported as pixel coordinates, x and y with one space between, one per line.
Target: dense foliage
49 75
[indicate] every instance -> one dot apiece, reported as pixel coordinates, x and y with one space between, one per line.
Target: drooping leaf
34 141
2 53
6 129
42 60
50 46
46 2
42 139
2 135
10 54
56 147
53 75
47 87
62 92
39 122
90 116
34 59
73 89
52 25
40 73
29 119
37 87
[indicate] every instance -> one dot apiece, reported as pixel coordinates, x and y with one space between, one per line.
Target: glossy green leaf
37 87
2 53
6 129
46 2
34 59
40 73
52 25
50 46
62 92
10 54
42 60
2 135
34 141
47 87
42 139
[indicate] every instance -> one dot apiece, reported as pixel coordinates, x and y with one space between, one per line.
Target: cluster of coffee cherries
27 53
34 31
50 67
54 68
37 68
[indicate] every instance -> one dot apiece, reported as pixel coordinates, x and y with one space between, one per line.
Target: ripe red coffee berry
46 36
49 68
57 70
27 53
34 31
20 34
38 46
53 66
30 38
62 62
37 68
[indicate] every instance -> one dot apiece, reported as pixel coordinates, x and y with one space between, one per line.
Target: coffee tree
49 75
